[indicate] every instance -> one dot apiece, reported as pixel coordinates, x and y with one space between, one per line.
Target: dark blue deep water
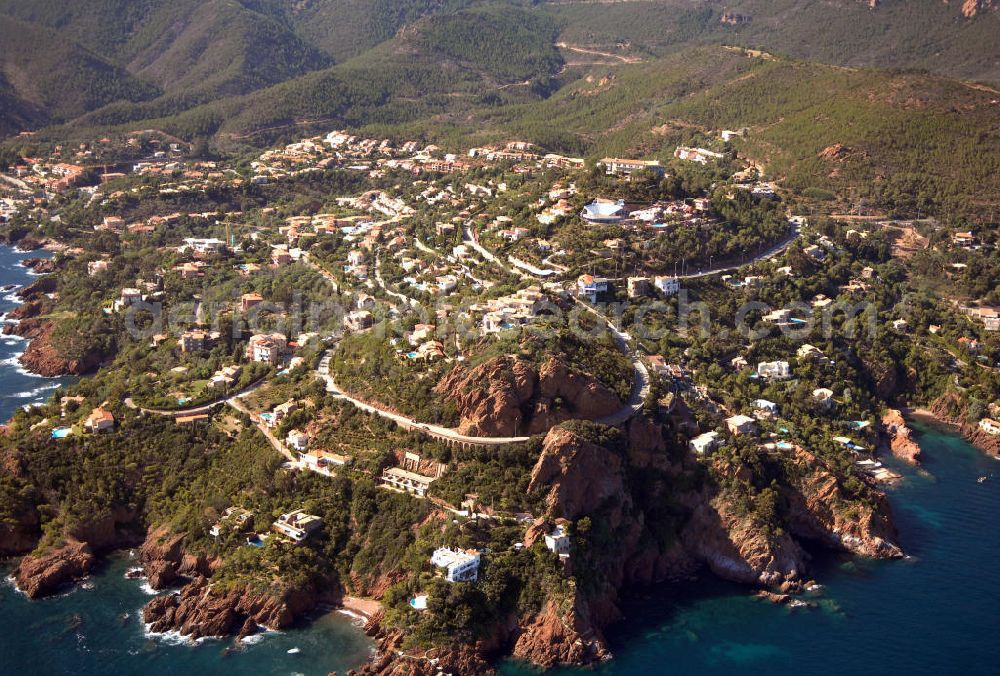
97 629
17 386
937 612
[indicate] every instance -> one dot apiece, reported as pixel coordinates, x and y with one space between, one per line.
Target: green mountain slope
58 79
18 114
192 50
908 140
931 34
346 28
436 67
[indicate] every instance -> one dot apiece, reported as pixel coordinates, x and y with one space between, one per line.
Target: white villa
459 565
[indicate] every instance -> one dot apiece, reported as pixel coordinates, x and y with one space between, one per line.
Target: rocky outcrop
835 152
821 509
552 638
586 478
165 561
42 266
45 574
972 7
898 437
735 547
392 660
26 310
38 289
950 408
42 357
29 243
580 474
510 396
203 609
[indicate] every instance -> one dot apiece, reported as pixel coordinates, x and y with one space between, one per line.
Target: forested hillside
929 34
143 60
50 78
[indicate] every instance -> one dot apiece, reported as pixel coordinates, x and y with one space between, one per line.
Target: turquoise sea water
97 629
937 612
934 613
17 386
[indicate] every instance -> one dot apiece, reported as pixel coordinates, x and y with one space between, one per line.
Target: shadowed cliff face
509 396
614 487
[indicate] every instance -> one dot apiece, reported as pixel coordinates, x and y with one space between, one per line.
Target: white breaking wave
37 392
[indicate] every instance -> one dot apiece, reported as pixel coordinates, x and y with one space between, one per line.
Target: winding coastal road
446 434
640 374
196 410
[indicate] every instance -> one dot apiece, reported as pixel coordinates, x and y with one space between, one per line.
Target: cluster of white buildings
511 311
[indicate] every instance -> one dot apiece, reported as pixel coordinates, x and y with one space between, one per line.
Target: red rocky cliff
899 437
201 609
509 396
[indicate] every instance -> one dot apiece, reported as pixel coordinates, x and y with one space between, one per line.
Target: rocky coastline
584 471
949 410
897 438
41 356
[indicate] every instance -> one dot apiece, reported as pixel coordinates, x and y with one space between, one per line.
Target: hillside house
459 565
406 481
774 370
99 420
739 425
297 525
705 443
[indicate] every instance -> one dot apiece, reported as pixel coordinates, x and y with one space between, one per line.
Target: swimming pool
61 432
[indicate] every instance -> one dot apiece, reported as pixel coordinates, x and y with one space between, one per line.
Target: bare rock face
37 290
556 638
165 561
41 266
581 475
391 660
835 152
43 358
736 548
899 437
200 609
972 7
821 509
508 396
39 576
160 556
